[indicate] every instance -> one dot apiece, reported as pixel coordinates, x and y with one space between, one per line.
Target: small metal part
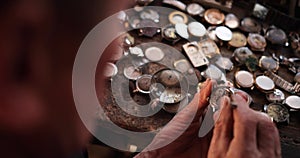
182 66
211 31
224 63
129 40
169 33
297 77
276 36
136 51
154 54
214 16
195 55
134 21
242 54
195 9
244 79
148 28
196 29
223 33
250 25
238 40
131 72
213 73
170 86
278 112
268 63
257 42
277 96
182 30
143 83
178 17
232 21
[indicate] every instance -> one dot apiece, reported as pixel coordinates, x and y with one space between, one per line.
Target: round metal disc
264 83
223 33
182 30
293 102
131 72
238 40
154 54
110 70
257 41
196 29
232 21
178 17
244 79
194 9
214 16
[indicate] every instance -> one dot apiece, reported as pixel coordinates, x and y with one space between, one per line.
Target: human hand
243 132
188 144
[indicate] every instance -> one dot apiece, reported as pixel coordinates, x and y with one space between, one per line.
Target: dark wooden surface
289 134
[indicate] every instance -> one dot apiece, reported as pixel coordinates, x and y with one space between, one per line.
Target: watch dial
278 112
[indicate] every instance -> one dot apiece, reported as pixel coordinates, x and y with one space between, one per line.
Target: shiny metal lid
214 16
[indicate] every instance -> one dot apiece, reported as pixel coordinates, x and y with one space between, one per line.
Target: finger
223 131
185 122
267 136
244 125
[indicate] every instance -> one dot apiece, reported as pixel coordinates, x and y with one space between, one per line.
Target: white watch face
244 79
223 33
265 83
196 29
182 30
154 54
293 102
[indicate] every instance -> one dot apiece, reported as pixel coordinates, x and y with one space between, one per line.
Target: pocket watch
214 16
154 54
277 96
195 9
264 83
293 102
178 17
268 63
250 25
232 21
223 33
257 42
238 40
278 112
244 79
276 36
